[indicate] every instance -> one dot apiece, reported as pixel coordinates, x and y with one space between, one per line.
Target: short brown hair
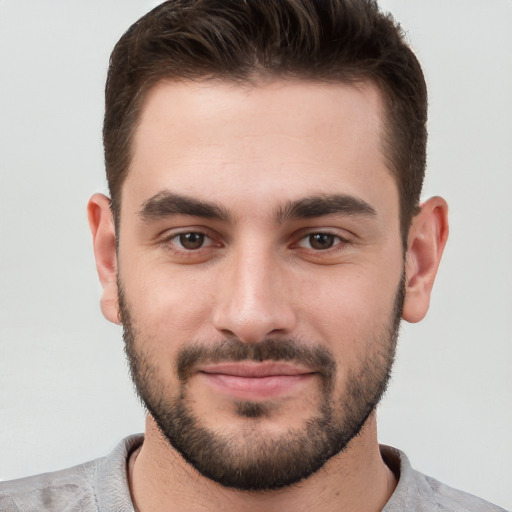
346 41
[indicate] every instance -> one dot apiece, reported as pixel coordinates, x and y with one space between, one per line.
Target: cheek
169 306
352 311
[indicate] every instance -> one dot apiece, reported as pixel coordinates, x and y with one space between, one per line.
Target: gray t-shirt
101 486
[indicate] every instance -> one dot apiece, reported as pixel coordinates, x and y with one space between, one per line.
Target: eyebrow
324 204
167 203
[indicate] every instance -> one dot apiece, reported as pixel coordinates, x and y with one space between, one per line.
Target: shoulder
100 484
421 493
52 491
450 499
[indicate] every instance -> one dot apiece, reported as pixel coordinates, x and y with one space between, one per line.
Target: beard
252 459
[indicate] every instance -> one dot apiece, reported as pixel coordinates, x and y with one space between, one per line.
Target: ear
104 241
427 238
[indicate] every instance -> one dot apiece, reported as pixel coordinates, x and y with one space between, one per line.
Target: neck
355 480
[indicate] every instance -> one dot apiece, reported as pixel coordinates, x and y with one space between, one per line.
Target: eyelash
176 245
169 241
337 241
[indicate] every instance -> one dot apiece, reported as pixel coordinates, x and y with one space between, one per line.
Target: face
260 272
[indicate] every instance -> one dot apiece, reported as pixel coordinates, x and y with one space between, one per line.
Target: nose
254 300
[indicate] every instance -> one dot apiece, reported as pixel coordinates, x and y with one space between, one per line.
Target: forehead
274 138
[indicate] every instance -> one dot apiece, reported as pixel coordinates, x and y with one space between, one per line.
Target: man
262 241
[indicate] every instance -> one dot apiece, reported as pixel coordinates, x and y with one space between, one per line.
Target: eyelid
342 235
206 241
215 240
339 241
168 236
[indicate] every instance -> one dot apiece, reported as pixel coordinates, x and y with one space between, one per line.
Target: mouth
255 381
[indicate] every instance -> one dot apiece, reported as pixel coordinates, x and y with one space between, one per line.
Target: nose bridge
254 302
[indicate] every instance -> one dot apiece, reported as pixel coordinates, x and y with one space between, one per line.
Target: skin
251 151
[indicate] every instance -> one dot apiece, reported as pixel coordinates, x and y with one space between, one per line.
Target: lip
255 381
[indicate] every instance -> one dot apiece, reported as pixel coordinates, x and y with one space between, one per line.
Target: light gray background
64 392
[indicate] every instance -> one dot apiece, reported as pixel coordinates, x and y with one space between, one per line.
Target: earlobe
427 239
104 242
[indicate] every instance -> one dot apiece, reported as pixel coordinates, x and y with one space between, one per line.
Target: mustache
233 350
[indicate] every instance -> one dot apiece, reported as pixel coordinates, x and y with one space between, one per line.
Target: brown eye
321 241
191 241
